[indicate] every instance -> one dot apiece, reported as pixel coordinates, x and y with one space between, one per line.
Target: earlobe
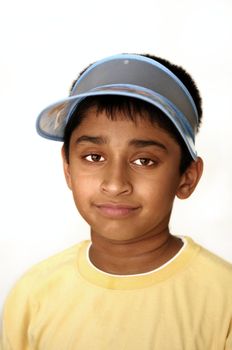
66 168
190 179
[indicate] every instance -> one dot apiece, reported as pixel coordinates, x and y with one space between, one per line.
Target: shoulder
215 263
56 262
211 268
46 273
38 287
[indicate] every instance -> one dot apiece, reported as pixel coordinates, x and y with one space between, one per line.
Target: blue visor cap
127 75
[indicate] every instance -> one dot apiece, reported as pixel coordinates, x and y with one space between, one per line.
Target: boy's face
124 176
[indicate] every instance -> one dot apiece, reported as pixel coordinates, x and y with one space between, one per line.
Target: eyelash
149 162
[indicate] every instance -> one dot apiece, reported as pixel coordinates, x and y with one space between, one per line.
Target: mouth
116 210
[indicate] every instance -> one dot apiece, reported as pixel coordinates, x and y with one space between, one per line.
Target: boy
128 129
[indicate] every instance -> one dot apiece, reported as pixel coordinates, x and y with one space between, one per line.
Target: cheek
83 188
159 191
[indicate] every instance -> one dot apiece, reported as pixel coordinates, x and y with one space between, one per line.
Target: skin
124 177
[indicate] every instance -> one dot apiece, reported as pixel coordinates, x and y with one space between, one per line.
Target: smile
114 210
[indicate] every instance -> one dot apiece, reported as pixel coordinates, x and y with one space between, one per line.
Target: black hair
132 107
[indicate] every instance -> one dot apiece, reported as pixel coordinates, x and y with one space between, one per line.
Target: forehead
121 128
99 120
117 108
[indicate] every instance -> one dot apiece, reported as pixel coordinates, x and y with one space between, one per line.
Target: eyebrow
139 143
97 140
146 143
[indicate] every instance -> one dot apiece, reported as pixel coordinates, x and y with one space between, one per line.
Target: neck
134 256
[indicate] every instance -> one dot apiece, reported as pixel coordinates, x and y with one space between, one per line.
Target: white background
44 45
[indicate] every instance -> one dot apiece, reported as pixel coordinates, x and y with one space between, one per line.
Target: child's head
128 128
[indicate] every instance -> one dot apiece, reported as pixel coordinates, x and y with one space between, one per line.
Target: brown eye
144 162
94 158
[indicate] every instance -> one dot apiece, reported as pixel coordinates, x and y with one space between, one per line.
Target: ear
66 168
190 179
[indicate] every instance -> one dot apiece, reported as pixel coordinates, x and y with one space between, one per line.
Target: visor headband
139 71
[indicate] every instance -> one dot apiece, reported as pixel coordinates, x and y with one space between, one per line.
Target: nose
116 180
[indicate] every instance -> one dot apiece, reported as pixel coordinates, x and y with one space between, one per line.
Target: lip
116 210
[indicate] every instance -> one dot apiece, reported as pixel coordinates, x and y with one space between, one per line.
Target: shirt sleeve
17 313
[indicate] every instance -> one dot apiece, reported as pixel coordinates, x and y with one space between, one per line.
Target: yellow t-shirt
65 303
